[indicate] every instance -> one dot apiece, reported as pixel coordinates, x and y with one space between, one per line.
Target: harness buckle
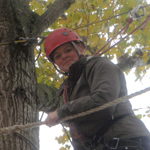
117 143
113 144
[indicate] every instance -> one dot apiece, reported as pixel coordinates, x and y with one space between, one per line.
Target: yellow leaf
34 2
79 22
148 115
145 57
147 48
139 116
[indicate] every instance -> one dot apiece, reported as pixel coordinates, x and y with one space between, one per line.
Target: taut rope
10 129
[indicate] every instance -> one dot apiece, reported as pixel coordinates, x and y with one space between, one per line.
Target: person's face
64 56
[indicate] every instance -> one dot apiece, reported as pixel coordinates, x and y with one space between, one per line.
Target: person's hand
52 119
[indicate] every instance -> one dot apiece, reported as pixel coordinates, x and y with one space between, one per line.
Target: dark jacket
92 82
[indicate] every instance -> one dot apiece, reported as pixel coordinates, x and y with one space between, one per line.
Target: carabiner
134 12
40 39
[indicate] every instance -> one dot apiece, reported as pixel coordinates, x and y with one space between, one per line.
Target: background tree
21 98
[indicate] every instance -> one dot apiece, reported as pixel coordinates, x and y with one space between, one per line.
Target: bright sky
143 100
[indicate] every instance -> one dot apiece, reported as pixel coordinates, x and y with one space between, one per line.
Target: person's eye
68 50
56 56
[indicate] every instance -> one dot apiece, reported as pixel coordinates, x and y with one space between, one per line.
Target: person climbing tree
92 81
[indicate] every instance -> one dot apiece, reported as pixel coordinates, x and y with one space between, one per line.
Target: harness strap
116 144
105 128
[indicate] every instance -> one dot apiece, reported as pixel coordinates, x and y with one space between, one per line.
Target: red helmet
59 37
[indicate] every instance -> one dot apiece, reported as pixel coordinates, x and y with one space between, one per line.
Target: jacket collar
75 71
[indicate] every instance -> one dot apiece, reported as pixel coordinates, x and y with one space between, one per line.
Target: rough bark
17 82
18 85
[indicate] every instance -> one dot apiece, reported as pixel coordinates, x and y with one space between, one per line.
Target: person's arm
104 83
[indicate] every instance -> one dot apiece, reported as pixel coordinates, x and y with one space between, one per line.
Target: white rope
10 129
115 102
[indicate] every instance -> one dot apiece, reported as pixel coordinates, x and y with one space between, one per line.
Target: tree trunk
17 84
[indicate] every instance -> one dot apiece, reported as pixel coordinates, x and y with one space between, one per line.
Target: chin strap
77 48
64 73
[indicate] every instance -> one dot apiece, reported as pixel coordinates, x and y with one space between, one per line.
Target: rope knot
129 20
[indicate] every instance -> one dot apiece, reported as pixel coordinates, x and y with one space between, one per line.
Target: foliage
62 140
142 115
97 21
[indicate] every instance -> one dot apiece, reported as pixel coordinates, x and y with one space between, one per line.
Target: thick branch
132 62
25 18
47 98
51 15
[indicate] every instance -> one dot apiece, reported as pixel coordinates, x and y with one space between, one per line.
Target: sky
143 100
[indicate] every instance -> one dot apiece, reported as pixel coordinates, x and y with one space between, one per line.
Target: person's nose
64 55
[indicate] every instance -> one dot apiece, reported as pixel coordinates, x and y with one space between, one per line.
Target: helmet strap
64 73
77 48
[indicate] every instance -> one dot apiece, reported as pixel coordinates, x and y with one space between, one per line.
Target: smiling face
64 56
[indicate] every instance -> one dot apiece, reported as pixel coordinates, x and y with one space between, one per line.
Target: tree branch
47 98
51 15
131 62
24 16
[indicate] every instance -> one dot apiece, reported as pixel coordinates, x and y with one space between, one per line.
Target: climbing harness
105 128
114 143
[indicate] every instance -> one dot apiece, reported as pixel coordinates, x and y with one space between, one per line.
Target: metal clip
134 13
27 41
40 39
112 144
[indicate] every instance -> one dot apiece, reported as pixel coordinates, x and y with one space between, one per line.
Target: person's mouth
66 62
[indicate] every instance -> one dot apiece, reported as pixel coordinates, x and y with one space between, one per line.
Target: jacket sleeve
103 79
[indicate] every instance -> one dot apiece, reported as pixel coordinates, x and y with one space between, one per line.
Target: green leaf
139 116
